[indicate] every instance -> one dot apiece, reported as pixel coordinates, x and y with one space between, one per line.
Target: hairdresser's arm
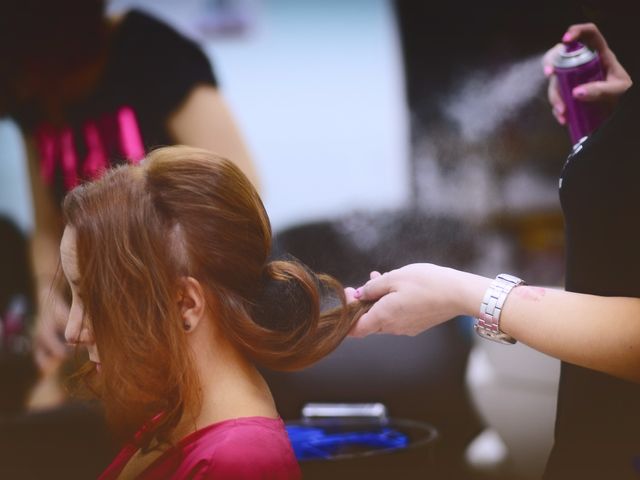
601 333
616 81
52 309
204 121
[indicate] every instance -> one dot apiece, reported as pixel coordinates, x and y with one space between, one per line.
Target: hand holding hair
411 299
596 332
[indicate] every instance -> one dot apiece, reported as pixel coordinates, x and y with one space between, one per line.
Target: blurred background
389 132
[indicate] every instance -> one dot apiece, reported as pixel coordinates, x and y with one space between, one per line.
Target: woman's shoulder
136 18
249 447
136 28
156 63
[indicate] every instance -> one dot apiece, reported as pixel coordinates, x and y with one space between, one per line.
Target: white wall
318 90
15 197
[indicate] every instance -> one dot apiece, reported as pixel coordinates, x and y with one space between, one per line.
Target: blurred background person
88 91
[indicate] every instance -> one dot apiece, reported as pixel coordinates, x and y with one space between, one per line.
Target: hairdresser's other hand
49 346
616 80
416 297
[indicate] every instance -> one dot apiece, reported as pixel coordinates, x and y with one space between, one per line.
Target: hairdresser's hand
416 297
616 81
49 346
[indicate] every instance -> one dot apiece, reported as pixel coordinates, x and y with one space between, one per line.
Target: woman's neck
231 386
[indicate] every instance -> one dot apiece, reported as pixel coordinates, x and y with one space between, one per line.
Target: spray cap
573 46
574 54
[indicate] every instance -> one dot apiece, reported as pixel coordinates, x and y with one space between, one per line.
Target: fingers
588 34
553 92
366 325
46 362
616 82
558 107
49 346
349 293
47 355
600 90
377 287
548 59
51 343
42 358
374 321
353 295
370 322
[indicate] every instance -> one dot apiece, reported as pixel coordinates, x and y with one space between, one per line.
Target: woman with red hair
175 299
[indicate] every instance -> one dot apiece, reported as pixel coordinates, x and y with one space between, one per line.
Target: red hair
185 211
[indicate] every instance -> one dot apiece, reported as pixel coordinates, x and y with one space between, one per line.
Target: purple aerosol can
576 64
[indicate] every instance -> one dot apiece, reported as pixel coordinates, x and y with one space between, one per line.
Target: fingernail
358 292
567 37
548 70
580 91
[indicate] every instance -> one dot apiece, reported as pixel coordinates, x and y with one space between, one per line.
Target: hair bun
287 296
301 317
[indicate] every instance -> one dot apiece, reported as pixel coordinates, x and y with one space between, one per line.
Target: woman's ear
191 302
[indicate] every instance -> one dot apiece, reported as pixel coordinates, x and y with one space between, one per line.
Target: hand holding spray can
575 65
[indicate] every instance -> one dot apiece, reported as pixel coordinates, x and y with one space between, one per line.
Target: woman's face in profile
77 332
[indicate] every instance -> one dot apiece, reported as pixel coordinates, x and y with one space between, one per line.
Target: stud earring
186 326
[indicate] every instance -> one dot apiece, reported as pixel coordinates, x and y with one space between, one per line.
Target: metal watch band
488 323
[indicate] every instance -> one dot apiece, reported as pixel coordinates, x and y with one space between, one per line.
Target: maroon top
242 448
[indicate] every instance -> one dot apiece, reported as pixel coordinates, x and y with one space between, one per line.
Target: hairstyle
43 39
187 212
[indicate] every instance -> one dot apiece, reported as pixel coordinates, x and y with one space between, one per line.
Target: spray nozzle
573 46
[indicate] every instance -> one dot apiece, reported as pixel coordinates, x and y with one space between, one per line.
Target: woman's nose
77 334
72 333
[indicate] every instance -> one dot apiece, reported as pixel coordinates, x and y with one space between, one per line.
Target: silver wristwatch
488 323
